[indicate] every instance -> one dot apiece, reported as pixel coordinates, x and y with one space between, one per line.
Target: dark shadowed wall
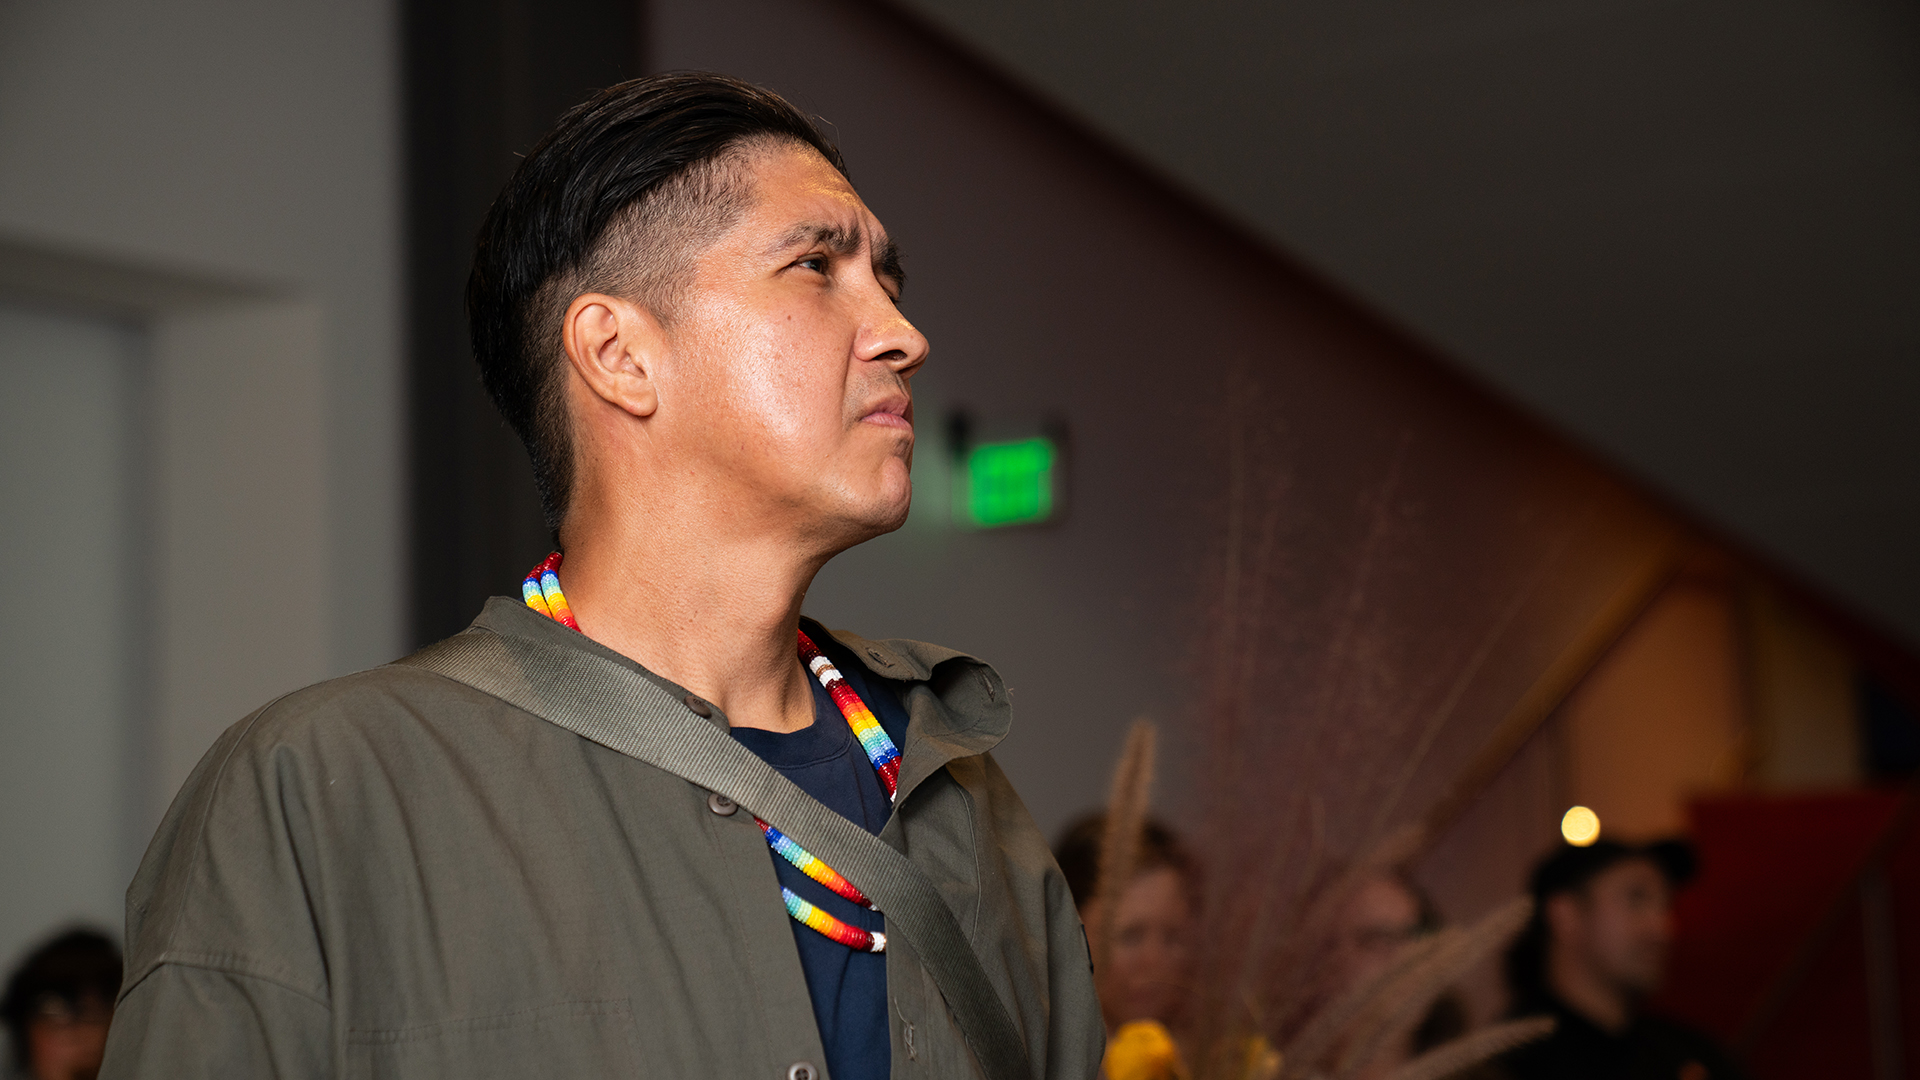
1249 450
1685 233
483 83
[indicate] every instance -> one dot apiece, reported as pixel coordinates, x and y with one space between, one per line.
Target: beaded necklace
541 590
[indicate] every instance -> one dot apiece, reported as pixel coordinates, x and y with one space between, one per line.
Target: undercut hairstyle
620 198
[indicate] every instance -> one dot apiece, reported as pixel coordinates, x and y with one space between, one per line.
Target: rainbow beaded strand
812 867
846 934
873 738
541 591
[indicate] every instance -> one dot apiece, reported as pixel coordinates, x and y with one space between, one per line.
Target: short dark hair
74 967
1568 869
1078 854
613 200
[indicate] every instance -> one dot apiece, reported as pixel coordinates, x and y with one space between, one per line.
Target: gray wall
252 143
69 636
222 178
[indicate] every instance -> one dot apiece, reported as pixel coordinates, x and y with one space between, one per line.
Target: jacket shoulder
364 699
225 852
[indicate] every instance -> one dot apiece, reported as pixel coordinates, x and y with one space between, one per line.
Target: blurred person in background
1595 951
58 1005
1385 914
1149 974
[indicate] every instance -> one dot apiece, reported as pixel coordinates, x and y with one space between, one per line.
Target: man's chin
856 525
890 518
1642 984
887 508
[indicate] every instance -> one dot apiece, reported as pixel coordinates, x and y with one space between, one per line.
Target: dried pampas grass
1364 637
1470 1050
1127 802
1403 1001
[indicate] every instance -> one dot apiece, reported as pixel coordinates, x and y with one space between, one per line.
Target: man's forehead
796 192
796 180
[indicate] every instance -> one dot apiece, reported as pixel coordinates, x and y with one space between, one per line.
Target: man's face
1624 925
1379 920
68 1042
1151 962
788 366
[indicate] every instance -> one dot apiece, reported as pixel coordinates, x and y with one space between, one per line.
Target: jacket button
699 707
720 804
802 1070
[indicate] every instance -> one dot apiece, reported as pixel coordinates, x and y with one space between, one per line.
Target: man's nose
896 342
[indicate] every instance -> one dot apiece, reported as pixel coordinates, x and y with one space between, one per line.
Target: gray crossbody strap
601 700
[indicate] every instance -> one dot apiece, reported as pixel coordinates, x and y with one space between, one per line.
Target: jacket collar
956 705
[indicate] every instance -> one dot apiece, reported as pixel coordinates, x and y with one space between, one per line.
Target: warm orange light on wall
1580 826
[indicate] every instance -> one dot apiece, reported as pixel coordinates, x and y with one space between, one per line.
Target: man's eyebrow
840 240
835 238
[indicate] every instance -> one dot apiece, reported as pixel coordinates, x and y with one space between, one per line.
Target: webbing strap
616 707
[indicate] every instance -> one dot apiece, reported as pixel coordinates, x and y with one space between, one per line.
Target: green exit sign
1009 483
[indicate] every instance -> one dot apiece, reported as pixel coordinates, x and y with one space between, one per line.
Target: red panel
1771 868
1903 878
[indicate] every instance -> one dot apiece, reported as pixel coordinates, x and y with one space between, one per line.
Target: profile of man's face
789 357
1621 923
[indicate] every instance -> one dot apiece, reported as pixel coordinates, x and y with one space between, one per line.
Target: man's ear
613 345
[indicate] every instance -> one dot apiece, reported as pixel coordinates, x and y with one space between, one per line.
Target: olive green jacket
393 874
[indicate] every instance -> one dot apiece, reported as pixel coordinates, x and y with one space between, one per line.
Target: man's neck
718 618
1585 991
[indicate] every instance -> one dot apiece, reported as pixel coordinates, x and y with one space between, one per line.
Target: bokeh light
1580 826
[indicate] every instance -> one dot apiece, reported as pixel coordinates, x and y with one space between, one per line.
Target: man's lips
887 419
891 413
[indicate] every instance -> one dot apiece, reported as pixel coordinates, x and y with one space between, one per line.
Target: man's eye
816 263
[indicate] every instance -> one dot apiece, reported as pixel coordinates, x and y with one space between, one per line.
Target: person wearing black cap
1595 950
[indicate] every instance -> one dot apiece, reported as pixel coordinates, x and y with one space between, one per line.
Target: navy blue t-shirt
848 988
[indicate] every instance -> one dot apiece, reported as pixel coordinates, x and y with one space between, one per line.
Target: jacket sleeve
1049 927
225 974
1079 1041
187 1023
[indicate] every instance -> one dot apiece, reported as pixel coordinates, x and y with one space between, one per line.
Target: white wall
226 177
